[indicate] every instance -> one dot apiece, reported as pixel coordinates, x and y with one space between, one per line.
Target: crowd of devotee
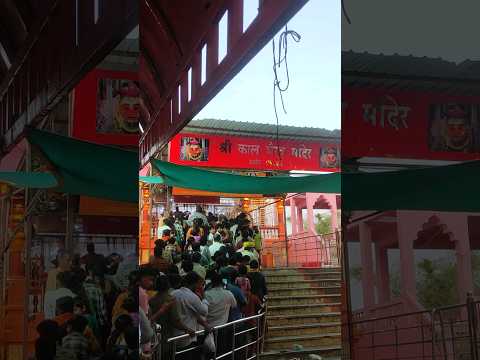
90 308
204 272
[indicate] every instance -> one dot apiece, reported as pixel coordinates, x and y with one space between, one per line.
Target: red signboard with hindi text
412 125
255 153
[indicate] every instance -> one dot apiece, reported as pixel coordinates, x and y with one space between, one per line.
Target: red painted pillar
457 226
15 284
367 266
383 278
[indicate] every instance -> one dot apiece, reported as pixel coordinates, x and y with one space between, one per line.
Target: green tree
436 285
324 224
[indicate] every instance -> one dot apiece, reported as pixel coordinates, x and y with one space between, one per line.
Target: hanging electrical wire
344 11
277 65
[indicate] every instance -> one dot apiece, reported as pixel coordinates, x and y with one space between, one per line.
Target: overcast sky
433 28
313 98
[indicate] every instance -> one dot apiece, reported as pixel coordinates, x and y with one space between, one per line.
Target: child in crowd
171 247
242 280
46 344
80 309
75 341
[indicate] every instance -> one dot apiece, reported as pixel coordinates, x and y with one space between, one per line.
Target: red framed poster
380 123
107 108
255 153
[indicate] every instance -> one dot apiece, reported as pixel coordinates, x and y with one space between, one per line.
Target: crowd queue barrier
446 333
241 339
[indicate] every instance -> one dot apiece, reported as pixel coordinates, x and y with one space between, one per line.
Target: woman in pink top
242 281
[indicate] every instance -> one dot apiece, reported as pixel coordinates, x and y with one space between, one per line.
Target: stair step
304 329
303 313
301 277
309 274
305 269
304 299
288 342
289 272
302 309
326 352
297 319
302 283
313 290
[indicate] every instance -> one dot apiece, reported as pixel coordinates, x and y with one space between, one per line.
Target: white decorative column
293 215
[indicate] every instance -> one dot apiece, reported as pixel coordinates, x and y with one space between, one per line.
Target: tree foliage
436 285
323 225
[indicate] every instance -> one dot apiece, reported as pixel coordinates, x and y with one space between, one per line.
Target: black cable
344 11
277 64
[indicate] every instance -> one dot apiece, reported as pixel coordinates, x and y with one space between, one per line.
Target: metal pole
69 245
444 341
233 342
167 205
434 340
471 320
258 339
27 224
345 272
215 339
174 350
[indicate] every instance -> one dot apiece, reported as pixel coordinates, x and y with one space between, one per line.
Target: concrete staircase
303 315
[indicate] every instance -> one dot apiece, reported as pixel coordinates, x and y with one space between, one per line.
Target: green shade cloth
151 179
197 179
90 169
30 180
442 188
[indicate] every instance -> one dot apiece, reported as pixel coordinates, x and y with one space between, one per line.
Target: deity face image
329 158
194 150
457 132
128 111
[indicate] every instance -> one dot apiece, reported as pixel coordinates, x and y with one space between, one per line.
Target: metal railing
306 250
447 333
241 339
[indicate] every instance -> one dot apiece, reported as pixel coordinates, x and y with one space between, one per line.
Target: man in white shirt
64 283
217 244
220 301
198 214
63 263
192 310
167 224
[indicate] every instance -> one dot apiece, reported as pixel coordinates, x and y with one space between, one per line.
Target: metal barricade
446 333
314 250
242 339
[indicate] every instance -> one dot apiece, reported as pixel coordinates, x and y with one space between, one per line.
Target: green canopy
90 169
197 179
442 188
151 179
31 180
